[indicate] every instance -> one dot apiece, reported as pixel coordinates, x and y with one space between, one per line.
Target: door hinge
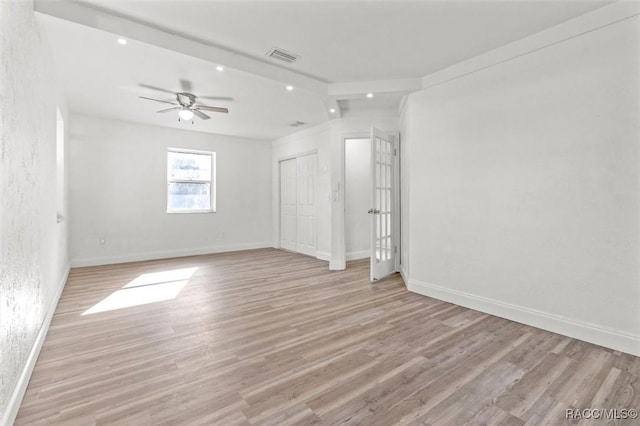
395 152
395 249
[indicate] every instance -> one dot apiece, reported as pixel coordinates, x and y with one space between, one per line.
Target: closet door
288 203
306 205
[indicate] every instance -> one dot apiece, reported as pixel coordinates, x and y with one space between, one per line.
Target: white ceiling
102 78
339 42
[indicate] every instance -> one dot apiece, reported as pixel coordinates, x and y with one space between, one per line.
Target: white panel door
382 214
306 235
288 203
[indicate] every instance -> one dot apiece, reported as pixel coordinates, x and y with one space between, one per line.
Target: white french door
382 197
298 228
288 203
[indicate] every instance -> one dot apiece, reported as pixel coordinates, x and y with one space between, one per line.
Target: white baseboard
405 276
15 399
165 254
356 255
581 330
323 255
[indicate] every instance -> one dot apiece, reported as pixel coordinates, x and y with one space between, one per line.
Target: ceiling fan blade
158 100
185 85
169 109
214 109
147 86
201 114
217 98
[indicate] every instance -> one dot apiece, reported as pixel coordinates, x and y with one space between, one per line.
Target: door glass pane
388 220
383 230
385 247
387 195
377 237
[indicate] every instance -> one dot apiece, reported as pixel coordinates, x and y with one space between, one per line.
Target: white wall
33 246
523 183
405 188
118 191
357 189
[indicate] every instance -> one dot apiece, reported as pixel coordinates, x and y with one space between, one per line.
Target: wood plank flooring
273 338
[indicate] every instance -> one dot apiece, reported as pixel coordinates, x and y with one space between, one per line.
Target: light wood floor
273 338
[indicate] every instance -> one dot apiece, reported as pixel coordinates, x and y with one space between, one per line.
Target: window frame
211 181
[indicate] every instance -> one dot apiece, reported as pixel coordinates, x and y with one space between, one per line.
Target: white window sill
185 211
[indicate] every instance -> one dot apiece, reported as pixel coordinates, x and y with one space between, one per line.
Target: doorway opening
357 189
372 201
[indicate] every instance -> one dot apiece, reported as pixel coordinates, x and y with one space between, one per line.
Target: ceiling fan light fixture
185 114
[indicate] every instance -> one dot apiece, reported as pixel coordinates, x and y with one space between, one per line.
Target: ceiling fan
186 103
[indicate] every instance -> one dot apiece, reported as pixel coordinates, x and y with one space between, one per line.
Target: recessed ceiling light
332 110
289 88
369 95
220 68
122 41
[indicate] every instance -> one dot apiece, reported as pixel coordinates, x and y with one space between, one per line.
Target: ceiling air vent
282 55
297 124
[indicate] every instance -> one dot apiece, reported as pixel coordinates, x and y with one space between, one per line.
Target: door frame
396 197
279 206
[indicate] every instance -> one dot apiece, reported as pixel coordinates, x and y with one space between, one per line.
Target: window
191 183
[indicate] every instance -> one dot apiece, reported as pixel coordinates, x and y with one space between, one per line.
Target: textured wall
32 244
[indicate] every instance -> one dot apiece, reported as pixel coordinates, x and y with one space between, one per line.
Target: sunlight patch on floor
145 289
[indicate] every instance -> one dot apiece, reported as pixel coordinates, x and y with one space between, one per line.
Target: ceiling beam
126 27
